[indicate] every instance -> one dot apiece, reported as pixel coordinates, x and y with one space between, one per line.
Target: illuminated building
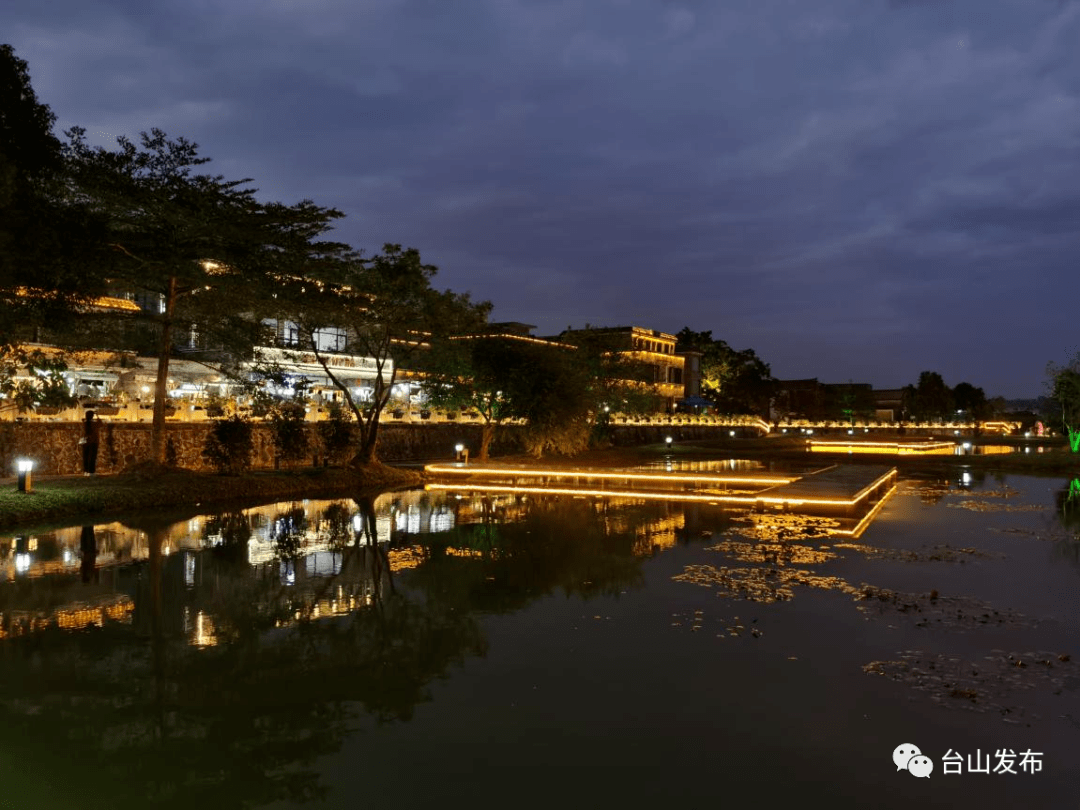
656 350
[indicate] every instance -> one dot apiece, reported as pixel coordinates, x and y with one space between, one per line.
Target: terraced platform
838 489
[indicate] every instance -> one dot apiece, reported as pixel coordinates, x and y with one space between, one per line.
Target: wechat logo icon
908 757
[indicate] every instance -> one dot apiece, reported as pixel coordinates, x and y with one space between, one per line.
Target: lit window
290 334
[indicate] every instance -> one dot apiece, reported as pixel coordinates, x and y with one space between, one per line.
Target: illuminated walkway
843 489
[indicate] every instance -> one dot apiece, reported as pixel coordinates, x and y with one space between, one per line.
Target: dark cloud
855 190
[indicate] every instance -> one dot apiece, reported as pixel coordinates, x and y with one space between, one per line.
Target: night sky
856 189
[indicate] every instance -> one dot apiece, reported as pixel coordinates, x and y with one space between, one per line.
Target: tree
195 249
45 384
971 400
735 381
388 312
48 239
490 374
930 399
846 401
1064 384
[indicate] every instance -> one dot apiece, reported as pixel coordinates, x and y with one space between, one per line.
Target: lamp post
25 466
462 452
667 441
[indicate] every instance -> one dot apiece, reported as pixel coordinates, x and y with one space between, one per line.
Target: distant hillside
1036 405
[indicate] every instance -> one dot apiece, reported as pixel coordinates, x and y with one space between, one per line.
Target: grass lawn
53 499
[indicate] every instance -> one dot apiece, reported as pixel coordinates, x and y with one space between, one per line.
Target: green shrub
229 446
289 430
336 435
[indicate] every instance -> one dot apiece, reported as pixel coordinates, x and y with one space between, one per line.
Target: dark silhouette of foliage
229 446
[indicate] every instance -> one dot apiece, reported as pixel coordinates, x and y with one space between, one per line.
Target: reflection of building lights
442 520
204 631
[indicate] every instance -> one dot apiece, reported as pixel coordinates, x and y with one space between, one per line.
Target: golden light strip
883 444
707 421
893 448
860 527
605 493
746 500
507 336
1004 427
461 469
872 486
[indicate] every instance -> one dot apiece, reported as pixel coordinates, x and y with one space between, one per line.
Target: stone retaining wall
55 449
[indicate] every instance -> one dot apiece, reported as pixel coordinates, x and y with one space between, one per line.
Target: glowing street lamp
25 466
462 452
668 440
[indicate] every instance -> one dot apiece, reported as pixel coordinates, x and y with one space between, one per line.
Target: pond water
430 649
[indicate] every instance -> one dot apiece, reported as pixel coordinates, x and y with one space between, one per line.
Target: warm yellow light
777 499
892 448
860 527
512 472
521 338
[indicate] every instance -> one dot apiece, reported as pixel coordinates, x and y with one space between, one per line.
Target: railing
184 410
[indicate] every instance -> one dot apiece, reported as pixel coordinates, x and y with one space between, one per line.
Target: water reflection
219 658
140 653
1068 506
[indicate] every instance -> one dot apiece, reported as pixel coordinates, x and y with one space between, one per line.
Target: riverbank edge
55 499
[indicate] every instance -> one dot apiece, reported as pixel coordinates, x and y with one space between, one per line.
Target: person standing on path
90 440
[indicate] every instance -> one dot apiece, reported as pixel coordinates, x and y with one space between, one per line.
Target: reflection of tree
1068 506
140 717
289 534
228 534
562 544
1068 514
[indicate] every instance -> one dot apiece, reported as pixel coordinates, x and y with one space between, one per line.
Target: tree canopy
48 235
383 309
195 249
930 399
1064 384
737 382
